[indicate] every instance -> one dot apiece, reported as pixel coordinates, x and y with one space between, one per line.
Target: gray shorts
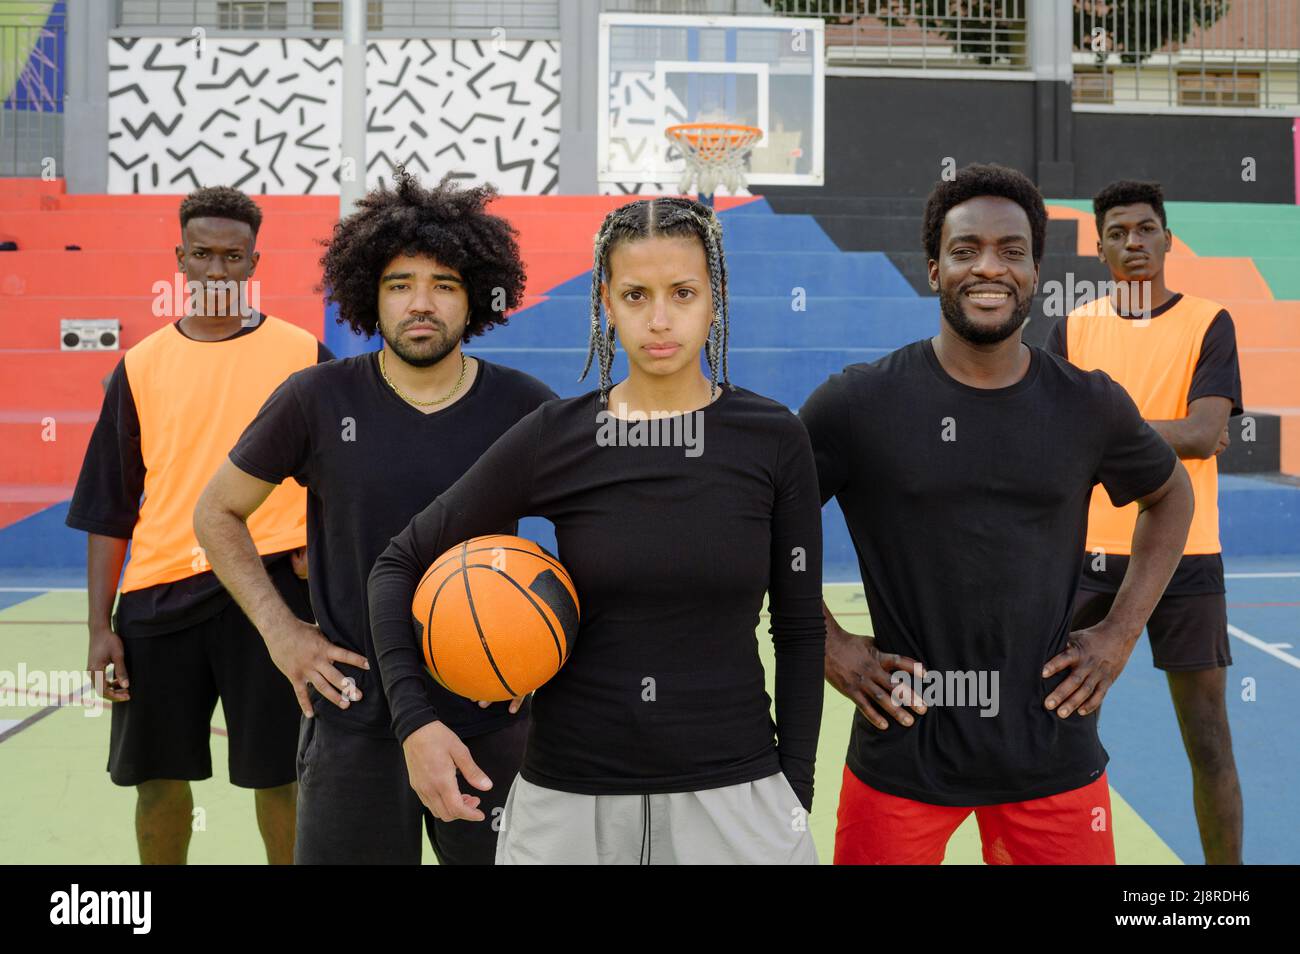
754 823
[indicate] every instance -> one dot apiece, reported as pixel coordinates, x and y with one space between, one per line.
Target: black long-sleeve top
671 549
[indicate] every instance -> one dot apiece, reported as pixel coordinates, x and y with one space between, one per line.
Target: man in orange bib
1176 355
175 404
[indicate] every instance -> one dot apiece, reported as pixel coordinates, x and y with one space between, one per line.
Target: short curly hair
446 222
221 202
1129 192
984 179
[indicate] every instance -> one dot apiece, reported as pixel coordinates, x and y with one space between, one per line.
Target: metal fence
536 18
921 34
1189 53
32 45
1200 53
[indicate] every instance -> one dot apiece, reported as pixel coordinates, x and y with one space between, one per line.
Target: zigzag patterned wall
263 115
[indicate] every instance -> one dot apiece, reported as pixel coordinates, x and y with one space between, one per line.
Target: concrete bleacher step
1265 324
38 541
109 272
1269 376
1218 278
793 199
53 381
122 231
45 446
119 231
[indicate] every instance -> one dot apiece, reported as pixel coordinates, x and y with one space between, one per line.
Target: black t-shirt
370 461
1217 374
968 509
107 502
671 552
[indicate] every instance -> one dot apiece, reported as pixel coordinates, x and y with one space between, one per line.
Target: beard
424 353
950 308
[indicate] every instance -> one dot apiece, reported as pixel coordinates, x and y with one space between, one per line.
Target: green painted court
61 807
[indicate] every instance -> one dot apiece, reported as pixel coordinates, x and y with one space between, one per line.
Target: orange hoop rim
714 136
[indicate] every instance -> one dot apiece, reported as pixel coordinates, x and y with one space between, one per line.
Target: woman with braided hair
678 500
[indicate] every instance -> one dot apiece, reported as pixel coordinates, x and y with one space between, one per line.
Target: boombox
89 334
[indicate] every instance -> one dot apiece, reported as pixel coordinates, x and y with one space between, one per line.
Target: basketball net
715 154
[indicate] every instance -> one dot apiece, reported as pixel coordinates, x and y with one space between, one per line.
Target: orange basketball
496 617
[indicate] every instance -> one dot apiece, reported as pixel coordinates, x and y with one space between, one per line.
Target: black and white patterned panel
263 115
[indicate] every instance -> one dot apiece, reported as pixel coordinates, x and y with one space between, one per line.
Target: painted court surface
60 807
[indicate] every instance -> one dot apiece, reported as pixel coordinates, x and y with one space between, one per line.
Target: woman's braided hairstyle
671 217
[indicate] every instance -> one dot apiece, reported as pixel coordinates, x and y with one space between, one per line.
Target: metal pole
352 174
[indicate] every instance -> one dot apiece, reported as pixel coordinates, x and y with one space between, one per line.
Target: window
328 15
1098 87
1218 89
252 15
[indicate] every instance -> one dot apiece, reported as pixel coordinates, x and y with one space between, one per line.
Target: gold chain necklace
410 400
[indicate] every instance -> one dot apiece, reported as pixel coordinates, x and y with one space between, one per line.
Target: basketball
496 617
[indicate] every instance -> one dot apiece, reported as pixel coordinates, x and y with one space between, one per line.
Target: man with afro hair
963 464
374 437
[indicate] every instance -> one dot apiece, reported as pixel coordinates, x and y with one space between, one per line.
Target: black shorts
1188 633
356 805
176 679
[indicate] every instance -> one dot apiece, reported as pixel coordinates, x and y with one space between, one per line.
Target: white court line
1281 575
42 589
1258 643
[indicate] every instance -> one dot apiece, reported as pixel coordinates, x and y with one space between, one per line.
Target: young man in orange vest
1176 355
175 405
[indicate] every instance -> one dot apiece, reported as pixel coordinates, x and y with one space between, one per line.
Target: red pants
1072 828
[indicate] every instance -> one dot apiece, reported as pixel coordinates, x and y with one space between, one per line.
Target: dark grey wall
1195 158
888 136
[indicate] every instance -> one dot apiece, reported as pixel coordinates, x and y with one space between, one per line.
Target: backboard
656 71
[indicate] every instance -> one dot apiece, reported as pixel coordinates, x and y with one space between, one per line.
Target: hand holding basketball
515 703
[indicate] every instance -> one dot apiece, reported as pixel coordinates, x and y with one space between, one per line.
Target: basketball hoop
715 154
